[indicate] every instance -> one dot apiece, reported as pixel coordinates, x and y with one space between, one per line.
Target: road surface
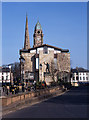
72 104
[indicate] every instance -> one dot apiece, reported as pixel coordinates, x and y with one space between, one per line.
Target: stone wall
48 79
29 64
29 61
27 96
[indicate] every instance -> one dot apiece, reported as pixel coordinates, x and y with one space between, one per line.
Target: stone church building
42 62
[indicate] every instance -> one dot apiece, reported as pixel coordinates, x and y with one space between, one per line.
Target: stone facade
29 61
28 65
40 73
42 59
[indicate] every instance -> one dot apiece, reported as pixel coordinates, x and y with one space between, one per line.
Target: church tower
26 43
38 35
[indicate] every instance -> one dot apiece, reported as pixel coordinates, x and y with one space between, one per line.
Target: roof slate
79 70
56 48
4 70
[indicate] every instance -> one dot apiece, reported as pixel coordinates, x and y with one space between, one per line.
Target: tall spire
26 43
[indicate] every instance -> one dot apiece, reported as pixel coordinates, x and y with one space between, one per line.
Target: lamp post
41 71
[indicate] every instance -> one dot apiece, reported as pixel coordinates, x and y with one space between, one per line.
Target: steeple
38 26
38 35
26 43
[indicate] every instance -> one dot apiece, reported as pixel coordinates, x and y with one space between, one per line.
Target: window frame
45 50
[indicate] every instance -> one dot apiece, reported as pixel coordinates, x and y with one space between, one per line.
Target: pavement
72 104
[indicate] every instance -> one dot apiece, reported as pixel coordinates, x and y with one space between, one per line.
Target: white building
79 76
5 75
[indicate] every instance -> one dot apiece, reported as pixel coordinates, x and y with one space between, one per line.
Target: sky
64 25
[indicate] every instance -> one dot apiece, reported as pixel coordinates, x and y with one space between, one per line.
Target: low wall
27 96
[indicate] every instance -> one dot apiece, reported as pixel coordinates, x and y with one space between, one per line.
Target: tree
16 72
53 70
63 71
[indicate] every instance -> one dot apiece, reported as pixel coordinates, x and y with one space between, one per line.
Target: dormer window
45 50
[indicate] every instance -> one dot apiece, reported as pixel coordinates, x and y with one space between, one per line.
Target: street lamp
41 71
